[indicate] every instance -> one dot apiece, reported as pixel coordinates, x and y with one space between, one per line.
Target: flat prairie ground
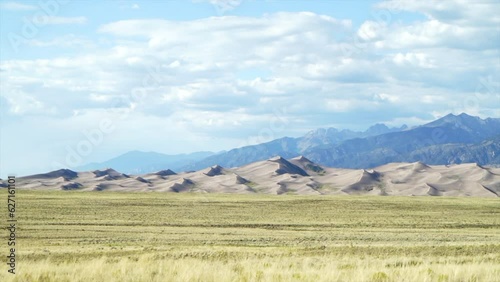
114 236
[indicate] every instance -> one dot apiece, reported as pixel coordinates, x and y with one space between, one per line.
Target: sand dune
184 186
280 176
165 172
285 167
109 174
368 182
307 165
66 174
214 170
71 186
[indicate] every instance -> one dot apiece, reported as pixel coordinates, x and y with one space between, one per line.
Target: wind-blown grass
74 236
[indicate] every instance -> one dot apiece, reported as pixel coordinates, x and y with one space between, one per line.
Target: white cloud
193 65
16 6
63 41
460 12
417 59
453 24
387 97
44 19
371 30
222 6
182 78
20 104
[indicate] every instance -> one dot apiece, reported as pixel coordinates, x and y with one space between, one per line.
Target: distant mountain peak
378 128
462 119
378 125
464 116
460 116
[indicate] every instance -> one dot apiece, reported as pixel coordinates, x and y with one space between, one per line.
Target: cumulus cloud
194 64
416 59
68 41
222 6
450 24
182 79
460 12
21 103
44 19
16 6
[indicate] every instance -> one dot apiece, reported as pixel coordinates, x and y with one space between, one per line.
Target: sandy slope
280 176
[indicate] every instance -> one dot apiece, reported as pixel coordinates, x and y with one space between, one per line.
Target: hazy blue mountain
331 136
286 147
484 153
135 162
451 139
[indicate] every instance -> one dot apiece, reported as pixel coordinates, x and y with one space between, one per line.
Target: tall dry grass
67 236
150 267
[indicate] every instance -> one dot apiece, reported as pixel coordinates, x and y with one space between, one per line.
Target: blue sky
84 81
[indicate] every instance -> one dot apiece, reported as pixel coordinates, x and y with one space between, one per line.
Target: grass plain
114 236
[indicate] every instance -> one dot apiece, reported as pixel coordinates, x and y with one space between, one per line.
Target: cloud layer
221 81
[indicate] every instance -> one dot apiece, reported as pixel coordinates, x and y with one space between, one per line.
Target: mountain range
452 139
137 162
449 140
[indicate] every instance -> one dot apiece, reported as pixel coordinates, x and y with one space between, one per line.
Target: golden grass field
113 236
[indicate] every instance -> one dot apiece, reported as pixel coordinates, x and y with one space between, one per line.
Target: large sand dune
280 176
